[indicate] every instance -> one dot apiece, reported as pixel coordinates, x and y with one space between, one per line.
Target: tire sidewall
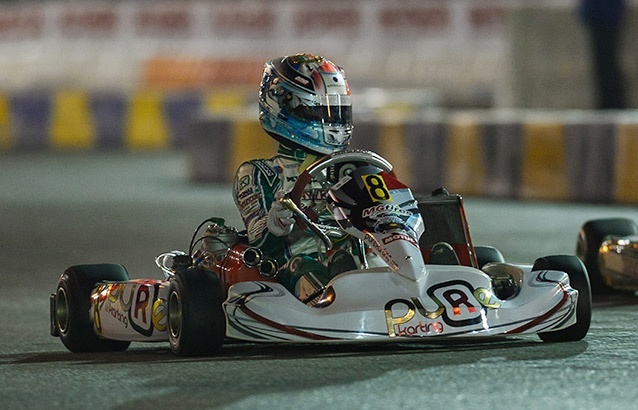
488 254
77 284
202 322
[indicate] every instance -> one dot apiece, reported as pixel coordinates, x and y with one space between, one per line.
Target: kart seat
443 254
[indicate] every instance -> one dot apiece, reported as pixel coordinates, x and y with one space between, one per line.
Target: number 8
376 187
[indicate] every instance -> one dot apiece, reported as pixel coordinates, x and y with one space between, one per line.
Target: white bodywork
382 306
378 305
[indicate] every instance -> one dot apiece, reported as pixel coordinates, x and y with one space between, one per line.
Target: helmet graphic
305 102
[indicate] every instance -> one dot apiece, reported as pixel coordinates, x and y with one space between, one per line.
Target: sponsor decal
376 211
160 315
301 80
399 237
91 22
347 178
381 209
253 20
344 17
244 182
250 204
254 213
256 229
402 324
454 304
486 298
163 21
246 191
414 18
265 168
379 250
314 195
419 329
133 304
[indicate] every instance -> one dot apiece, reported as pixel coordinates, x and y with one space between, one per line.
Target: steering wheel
341 164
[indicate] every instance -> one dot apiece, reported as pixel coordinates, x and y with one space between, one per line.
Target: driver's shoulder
258 171
261 165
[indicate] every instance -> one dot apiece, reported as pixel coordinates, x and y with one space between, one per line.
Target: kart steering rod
287 202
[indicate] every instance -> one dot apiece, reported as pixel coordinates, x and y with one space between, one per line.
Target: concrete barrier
72 119
556 156
626 163
29 113
6 137
582 156
108 113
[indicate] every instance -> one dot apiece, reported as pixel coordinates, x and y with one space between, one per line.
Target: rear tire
73 302
590 237
578 280
196 320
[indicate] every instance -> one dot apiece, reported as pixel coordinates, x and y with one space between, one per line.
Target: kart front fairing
408 298
379 305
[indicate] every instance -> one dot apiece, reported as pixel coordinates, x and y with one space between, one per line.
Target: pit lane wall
579 156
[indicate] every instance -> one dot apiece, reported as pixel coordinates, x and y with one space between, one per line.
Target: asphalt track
58 210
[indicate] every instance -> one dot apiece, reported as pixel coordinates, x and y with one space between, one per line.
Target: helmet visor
326 109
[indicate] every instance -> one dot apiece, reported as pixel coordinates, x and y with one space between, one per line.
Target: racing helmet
305 102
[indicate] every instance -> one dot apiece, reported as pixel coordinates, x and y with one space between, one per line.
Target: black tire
487 254
196 320
590 237
578 280
73 302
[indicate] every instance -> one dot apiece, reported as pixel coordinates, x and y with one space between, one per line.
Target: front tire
578 280
72 304
590 237
196 320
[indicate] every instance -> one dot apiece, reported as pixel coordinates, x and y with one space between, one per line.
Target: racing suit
256 183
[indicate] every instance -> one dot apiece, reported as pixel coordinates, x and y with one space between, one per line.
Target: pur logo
134 304
454 303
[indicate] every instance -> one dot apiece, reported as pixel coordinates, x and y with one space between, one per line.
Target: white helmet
305 102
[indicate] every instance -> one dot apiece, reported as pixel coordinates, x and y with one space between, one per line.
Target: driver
304 104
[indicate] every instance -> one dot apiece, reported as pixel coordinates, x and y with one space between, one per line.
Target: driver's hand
280 219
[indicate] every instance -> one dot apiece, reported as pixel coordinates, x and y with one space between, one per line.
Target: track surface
58 210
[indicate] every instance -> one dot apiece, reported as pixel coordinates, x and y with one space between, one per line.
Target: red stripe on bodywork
287 329
542 318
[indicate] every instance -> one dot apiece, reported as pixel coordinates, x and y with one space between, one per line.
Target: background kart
609 249
436 284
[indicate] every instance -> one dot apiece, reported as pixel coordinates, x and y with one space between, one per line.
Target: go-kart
609 249
428 282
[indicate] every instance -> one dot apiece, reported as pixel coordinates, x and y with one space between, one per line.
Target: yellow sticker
375 184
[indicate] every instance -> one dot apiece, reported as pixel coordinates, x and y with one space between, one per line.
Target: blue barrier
30 114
